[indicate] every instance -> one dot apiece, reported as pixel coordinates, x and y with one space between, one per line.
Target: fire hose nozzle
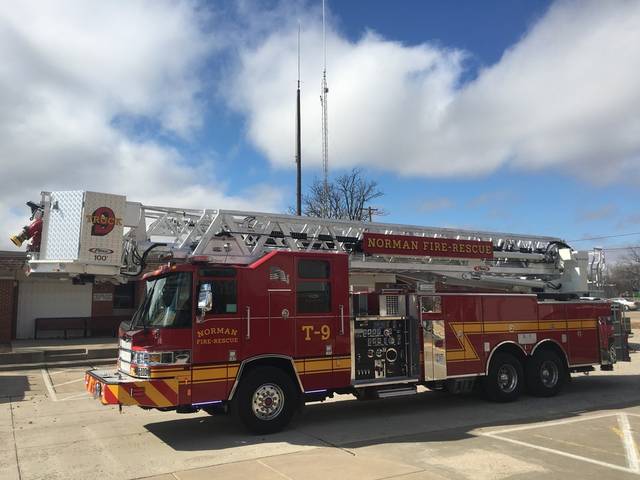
19 239
31 232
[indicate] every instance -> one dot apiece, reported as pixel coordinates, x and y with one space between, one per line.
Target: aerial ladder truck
257 313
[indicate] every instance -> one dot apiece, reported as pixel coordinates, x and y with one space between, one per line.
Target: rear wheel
504 380
265 400
546 374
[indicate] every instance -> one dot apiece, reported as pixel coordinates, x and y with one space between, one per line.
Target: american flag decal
277 274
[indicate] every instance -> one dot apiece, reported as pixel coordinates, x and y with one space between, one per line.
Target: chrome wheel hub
549 374
507 378
267 401
612 354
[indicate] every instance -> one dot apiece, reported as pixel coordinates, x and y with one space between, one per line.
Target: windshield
167 302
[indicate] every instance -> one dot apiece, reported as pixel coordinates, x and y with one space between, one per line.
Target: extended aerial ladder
72 223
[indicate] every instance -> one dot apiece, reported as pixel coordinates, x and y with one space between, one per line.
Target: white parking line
559 452
75 396
633 461
52 392
70 381
59 371
552 423
629 443
48 384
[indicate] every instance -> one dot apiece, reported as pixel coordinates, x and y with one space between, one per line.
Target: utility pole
371 211
298 140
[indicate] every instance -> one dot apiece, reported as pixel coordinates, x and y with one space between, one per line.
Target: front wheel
504 380
545 374
265 400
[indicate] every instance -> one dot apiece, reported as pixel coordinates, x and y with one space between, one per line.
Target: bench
109 323
61 323
88 325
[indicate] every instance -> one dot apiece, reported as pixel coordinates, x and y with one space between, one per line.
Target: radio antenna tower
298 140
325 128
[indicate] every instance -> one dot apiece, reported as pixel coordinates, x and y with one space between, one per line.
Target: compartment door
433 329
281 321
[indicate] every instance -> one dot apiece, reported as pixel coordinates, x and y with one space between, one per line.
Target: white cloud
76 75
73 72
565 97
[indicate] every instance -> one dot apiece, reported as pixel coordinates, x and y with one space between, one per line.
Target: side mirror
205 298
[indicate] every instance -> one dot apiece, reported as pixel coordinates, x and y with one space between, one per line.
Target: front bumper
117 388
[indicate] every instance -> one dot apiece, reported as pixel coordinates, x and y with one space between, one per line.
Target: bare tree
347 197
625 274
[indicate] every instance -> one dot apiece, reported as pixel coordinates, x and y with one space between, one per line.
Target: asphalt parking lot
50 429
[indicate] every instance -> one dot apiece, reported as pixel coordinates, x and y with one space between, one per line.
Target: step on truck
255 314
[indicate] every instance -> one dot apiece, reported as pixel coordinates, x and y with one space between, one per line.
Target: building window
124 296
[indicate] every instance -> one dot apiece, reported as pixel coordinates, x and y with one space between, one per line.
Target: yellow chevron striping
467 351
123 396
173 385
154 395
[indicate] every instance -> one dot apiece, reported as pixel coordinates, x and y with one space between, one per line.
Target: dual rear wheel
543 375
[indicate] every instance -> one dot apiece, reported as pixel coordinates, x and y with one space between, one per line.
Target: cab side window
313 293
224 289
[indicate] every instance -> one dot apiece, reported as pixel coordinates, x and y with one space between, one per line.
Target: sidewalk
27 354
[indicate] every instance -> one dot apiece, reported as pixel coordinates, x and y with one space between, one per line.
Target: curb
53 356
88 362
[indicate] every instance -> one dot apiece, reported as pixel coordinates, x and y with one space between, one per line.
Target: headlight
161 358
138 371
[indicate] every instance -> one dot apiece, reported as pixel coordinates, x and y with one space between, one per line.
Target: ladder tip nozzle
16 240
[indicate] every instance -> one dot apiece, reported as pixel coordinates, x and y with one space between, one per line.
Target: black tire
215 409
265 400
546 374
504 382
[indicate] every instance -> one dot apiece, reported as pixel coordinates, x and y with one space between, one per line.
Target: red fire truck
256 313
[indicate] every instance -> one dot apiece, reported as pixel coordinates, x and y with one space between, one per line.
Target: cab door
216 336
322 320
315 314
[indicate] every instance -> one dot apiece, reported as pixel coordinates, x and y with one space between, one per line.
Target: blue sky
497 115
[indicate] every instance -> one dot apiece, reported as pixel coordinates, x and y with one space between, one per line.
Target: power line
604 236
621 248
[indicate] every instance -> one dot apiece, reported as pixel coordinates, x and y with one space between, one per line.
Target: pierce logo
101 251
103 220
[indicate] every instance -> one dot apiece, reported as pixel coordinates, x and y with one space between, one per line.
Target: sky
518 116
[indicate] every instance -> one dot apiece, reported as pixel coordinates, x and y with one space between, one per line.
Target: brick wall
7 307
